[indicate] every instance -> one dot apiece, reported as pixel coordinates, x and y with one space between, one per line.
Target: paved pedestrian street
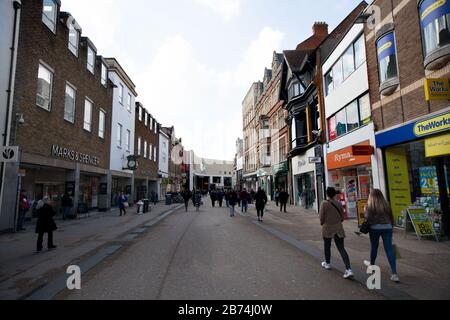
209 255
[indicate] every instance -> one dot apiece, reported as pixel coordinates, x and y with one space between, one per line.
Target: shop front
350 172
280 173
251 182
264 180
305 182
417 165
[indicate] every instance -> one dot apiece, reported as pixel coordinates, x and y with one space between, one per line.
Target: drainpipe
17 6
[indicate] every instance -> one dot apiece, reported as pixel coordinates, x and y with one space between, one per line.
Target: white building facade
122 130
352 171
9 24
163 164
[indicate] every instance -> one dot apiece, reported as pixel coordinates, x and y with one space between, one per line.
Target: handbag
126 204
365 228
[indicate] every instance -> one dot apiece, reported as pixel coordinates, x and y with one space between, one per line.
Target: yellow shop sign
437 89
438 146
433 125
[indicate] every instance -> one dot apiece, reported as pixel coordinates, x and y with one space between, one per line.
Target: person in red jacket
24 206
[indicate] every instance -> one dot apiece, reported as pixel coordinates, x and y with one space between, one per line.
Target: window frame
129 100
69 85
121 92
139 146
128 140
378 60
145 149
72 47
101 133
49 23
104 72
88 65
87 100
119 140
52 73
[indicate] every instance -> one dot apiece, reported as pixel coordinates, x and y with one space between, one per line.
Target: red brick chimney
320 29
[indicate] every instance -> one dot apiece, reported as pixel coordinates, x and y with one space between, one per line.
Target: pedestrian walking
252 196
220 196
186 197
67 205
213 196
45 223
260 203
283 199
155 198
227 198
378 215
123 204
331 219
277 196
232 201
197 199
244 199
24 206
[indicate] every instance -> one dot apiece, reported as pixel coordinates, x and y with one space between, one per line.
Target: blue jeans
386 234
66 212
21 219
231 211
244 206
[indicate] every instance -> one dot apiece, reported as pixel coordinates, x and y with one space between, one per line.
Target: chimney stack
320 29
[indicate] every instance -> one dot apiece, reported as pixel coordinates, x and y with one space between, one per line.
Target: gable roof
335 37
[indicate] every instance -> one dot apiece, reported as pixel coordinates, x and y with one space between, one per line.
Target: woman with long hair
378 215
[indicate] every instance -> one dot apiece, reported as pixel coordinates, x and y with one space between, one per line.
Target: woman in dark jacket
260 203
45 223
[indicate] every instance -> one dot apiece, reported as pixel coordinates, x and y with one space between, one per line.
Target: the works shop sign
68 154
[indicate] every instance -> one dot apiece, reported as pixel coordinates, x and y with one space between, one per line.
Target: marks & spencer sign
72 155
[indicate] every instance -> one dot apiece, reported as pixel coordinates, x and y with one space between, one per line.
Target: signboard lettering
68 154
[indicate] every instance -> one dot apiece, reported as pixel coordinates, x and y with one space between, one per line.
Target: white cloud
203 103
227 8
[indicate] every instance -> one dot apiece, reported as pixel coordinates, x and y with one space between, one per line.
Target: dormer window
49 11
91 60
73 39
295 90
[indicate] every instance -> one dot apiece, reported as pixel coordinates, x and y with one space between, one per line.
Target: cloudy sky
194 60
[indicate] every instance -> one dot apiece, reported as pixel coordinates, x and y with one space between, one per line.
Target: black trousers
186 205
260 212
282 205
340 245
41 239
124 211
220 203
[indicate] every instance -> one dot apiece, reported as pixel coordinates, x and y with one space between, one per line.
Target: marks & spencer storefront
417 166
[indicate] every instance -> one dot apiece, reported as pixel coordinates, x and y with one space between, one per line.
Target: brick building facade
146 177
66 107
408 45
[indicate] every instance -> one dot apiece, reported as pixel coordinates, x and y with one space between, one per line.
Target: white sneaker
395 278
348 274
367 263
326 266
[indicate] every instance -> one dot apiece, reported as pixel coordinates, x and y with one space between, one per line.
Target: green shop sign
280 168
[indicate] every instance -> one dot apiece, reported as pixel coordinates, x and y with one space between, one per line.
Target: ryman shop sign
68 154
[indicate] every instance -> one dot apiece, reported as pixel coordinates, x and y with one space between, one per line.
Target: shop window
364 110
332 129
328 82
348 62
341 123
387 63
69 104
435 19
352 116
360 51
49 14
44 87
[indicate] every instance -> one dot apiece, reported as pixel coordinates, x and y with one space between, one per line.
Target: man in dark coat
213 196
220 196
244 200
186 196
45 223
232 201
67 205
284 196
260 202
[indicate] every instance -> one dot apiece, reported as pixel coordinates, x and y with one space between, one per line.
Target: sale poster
429 181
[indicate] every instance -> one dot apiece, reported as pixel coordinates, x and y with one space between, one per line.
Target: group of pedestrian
217 196
195 195
378 215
